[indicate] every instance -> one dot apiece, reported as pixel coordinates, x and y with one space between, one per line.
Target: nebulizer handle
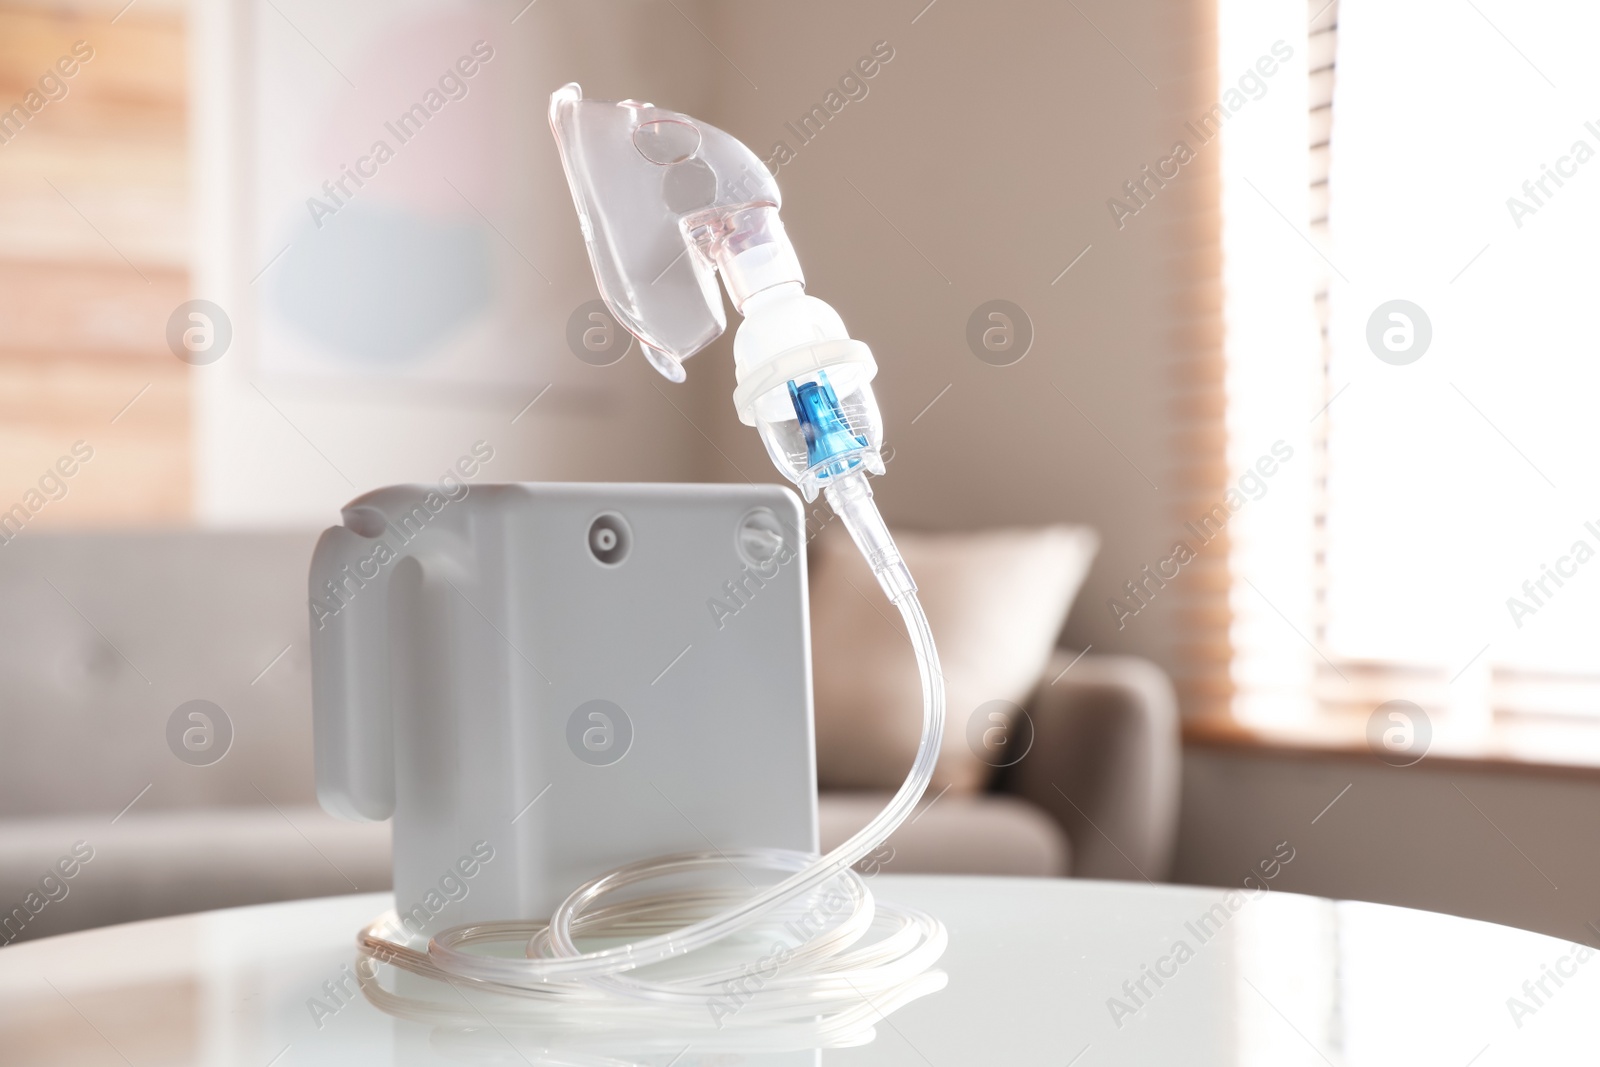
667 204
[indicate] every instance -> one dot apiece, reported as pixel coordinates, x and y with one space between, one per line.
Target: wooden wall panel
94 251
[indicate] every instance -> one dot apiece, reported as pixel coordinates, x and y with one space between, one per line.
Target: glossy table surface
1040 972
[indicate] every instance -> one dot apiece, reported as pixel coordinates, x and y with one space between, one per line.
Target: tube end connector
851 499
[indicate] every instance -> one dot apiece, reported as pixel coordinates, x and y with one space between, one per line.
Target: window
1446 549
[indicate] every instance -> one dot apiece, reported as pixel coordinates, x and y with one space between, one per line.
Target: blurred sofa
106 635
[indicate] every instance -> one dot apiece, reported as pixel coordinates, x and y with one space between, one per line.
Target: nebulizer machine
668 204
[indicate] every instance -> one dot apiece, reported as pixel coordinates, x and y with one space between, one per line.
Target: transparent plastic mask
664 201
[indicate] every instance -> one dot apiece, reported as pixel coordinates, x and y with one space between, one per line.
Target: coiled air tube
831 975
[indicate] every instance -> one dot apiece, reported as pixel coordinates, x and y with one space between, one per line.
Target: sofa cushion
169 862
149 864
996 601
114 631
985 833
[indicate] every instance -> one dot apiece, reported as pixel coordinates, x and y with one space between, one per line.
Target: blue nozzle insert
827 434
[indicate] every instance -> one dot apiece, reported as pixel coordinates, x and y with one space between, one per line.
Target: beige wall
1432 836
976 168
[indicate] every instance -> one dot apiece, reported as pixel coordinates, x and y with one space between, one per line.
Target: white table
1282 981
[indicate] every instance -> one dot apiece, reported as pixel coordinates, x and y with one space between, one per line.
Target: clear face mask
667 205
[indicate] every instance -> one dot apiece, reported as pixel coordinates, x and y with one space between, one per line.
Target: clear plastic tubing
833 973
